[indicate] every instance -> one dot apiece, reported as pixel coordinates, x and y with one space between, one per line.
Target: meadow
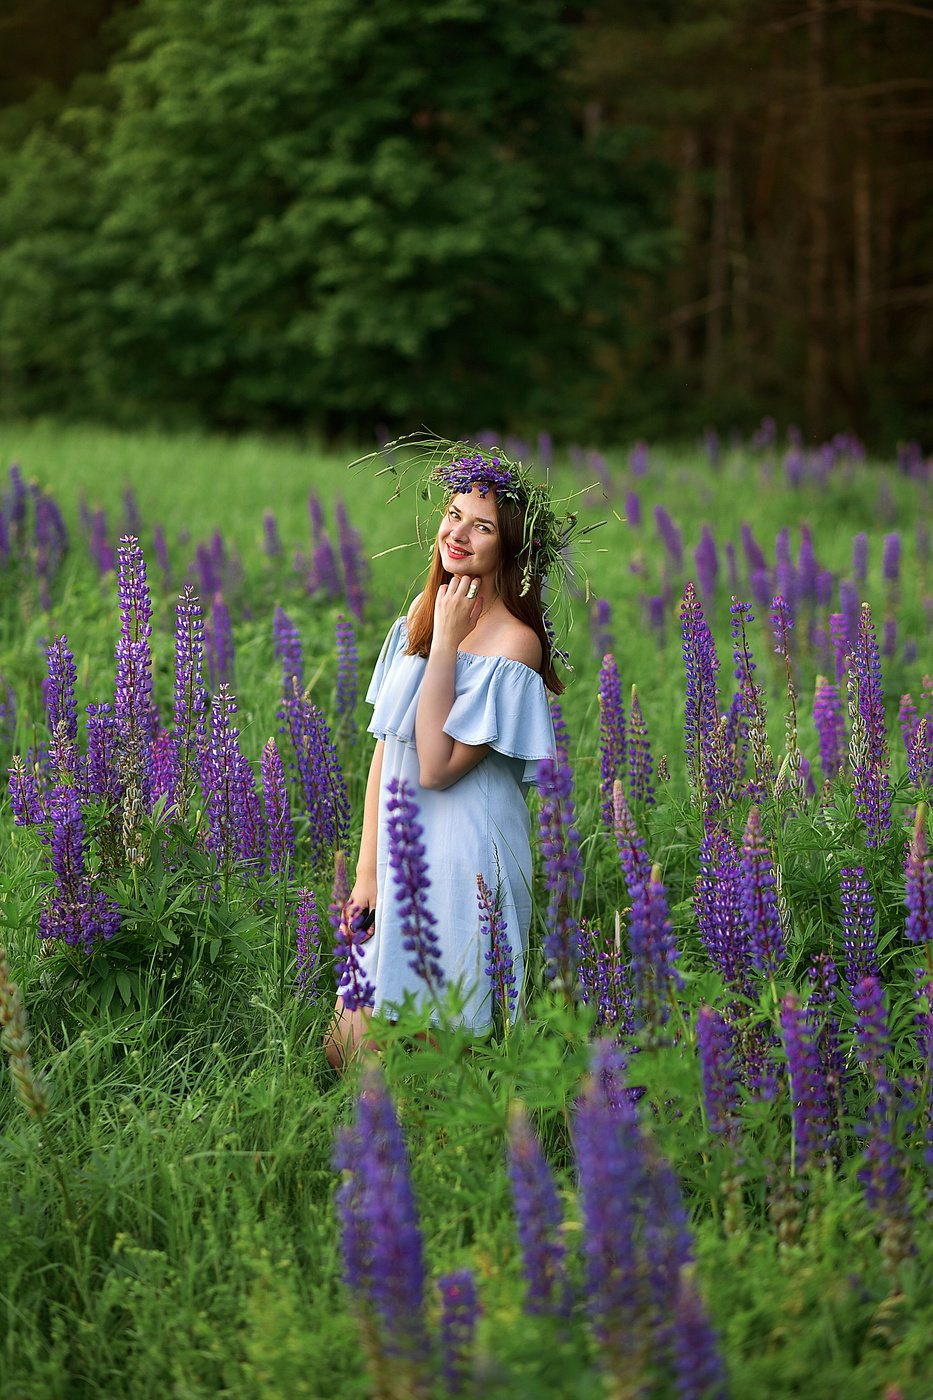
697 1162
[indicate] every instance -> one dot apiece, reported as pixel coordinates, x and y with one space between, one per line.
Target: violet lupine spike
907 719
830 728
561 736
823 978
858 926
346 674
839 633
354 565
101 552
718 901
868 746
883 1175
759 899
920 755
499 959
604 983
538 1220
732 564
221 652
807 568
164 770
134 710
641 764
809 1092
278 815
24 793
612 736
757 563
287 647
785 575
410 875
919 891
860 557
271 539
720 1076
221 781
891 565
103 774
707 767
251 838
324 577
699 1373
563 874
850 609
671 537
653 953
62 710
633 509
307 947
353 987
383 1261
459 1311
191 700
630 844
321 777
706 558
754 707
75 912
600 617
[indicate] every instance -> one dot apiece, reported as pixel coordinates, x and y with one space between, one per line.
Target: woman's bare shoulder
519 642
411 610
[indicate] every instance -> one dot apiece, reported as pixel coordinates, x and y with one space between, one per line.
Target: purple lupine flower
830 728
860 557
18 505
823 978
766 434
891 564
160 550
164 772
307 947
753 706
613 1190
410 874
781 625
320 776
858 924
825 587
793 467
563 874
499 958
785 575
287 647
759 899
323 577
134 710
868 747
316 513
61 708
132 520
640 774
271 539
207 575
839 632
850 608
612 741
103 773
923 544
633 509
656 609
604 983
346 674
538 1219
760 583
889 636
601 638
732 565
757 563
671 537
638 459
251 846
720 1077
459 1311
706 765
354 565
706 559
920 754
919 895
353 987
278 815
24 793
806 566
218 637
101 552
191 700
222 783
635 863
808 1088
383 1264
76 912
718 901
907 719
653 952
699 1373
561 736
884 1178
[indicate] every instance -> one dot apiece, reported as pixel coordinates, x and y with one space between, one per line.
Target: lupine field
695 1156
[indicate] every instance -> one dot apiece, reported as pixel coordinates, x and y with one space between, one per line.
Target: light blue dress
480 824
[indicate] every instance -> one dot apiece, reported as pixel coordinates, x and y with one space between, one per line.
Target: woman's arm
441 759
363 894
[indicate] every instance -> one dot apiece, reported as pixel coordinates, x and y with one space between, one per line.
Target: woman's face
468 538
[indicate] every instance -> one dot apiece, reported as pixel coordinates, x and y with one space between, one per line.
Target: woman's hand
362 900
455 613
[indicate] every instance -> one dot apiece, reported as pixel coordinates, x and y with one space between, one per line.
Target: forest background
336 216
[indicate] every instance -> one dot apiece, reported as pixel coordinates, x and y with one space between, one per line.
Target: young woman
460 714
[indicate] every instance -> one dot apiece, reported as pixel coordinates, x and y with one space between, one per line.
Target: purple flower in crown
858 925
641 764
208 576
353 987
919 893
383 1262
499 958
271 539
307 947
638 459
720 1076
101 551
192 703
759 899
830 728
612 738
459 1311
563 874
278 816
346 674
463 473
538 1219
809 1091
410 875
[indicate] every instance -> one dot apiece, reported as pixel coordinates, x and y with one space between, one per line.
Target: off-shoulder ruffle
499 702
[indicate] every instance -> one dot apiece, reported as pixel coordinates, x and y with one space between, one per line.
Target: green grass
195 1252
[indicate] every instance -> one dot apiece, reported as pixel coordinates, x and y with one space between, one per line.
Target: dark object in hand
364 920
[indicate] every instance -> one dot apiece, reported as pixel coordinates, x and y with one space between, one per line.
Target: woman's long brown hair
527 608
